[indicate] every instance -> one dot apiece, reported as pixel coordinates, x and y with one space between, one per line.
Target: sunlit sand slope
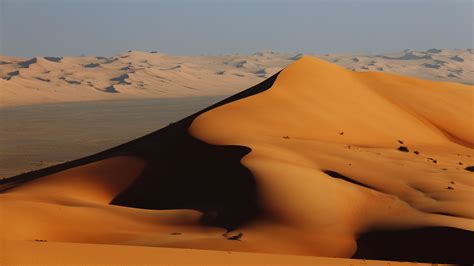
324 148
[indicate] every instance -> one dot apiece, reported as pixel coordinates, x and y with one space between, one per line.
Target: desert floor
37 136
44 253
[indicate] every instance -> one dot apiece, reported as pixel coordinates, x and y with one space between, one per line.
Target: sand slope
136 74
305 163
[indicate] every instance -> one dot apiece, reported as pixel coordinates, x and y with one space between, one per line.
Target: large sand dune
136 74
316 160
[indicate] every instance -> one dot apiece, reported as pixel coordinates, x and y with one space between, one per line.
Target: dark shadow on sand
429 244
347 179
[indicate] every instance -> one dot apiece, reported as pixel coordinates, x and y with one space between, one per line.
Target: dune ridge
317 160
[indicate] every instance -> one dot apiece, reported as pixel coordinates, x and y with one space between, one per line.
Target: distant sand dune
317 160
97 73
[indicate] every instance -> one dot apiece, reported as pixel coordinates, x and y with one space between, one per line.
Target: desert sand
138 74
44 253
317 160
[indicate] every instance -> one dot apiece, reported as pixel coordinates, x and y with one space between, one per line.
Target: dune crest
317 160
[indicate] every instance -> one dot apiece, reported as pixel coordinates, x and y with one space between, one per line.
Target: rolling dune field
151 75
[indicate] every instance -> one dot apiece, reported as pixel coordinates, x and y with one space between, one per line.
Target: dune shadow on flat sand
428 244
183 172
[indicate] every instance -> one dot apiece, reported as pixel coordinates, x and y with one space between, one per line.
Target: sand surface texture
45 253
317 160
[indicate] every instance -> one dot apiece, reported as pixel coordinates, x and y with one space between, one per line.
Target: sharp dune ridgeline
316 160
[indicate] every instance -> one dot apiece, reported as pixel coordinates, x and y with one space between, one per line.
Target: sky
192 27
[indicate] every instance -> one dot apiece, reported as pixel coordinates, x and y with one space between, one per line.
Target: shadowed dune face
204 177
207 178
303 163
442 244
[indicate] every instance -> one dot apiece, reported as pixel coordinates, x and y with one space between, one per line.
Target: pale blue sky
106 27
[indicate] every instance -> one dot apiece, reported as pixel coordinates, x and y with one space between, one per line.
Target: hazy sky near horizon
106 27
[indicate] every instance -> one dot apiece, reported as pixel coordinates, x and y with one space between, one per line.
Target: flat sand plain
37 136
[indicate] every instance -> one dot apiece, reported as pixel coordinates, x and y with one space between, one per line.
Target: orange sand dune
316 160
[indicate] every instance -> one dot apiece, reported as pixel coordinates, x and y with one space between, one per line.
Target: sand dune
135 74
317 160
